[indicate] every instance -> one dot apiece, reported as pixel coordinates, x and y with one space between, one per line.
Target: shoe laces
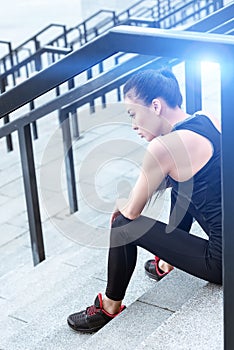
154 262
91 310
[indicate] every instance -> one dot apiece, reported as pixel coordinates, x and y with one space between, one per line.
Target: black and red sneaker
93 318
153 271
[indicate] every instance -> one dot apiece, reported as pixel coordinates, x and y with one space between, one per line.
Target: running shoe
93 318
152 269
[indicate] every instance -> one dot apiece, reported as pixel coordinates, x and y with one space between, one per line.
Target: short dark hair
149 84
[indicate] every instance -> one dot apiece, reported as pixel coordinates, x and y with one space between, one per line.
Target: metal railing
30 46
34 59
168 12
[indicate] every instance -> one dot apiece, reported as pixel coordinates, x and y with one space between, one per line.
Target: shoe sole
92 330
152 276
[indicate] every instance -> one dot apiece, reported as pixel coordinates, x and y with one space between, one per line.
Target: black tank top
201 195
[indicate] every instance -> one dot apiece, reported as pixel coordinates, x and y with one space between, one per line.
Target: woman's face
144 119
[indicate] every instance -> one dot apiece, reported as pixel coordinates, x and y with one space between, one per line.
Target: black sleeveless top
201 195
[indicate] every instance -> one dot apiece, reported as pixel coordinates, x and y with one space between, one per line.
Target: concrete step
147 313
197 325
37 301
58 287
26 279
17 258
23 287
15 254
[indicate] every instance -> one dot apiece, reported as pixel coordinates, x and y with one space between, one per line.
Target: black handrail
66 31
100 26
118 75
157 23
35 40
189 98
34 57
100 49
115 19
192 101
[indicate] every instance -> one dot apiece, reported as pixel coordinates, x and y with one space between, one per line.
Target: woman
184 152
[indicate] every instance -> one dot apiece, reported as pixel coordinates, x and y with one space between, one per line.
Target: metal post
32 106
207 7
220 4
6 119
74 116
17 62
9 142
75 125
85 32
89 73
4 64
227 83
12 62
115 18
38 62
31 193
101 69
193 86
118 94
65 36
69 161
34 124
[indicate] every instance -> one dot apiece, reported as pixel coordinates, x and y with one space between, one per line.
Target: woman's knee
119 231
120 221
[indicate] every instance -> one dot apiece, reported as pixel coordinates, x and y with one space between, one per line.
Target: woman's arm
156 165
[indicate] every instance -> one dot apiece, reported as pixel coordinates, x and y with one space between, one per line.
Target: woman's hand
114 215
120 208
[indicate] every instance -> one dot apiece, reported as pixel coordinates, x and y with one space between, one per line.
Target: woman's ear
157 106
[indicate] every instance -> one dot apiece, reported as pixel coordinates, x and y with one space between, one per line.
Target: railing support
38 62
31 193
74 117
6 118
9 142
75 125
34 124
69 161
193 86
227 83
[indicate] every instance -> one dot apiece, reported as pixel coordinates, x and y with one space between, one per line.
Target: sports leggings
177 247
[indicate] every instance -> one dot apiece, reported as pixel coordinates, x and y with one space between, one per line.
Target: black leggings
177 247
